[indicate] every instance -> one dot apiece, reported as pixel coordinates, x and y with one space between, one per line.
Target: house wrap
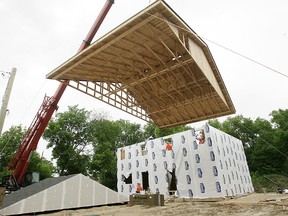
202 163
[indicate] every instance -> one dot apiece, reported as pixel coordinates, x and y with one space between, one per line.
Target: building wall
216 168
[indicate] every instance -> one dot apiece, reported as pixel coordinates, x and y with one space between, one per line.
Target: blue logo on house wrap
165 165
130 188
195 144
153 155
209 141
154 167
218 186
215 171
202 188
156 179
190 193
182 139
186 165
188 178
137 174
207 129
197 158
200 173
212 156
193 132
164 152
137 163
184 152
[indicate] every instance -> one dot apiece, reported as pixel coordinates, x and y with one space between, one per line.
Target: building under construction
154 67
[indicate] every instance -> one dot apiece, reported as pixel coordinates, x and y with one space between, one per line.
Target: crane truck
20 160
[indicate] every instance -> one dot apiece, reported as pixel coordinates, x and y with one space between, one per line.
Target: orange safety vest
139 188
169 147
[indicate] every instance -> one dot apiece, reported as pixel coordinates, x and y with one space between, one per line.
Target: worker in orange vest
139 188
169 147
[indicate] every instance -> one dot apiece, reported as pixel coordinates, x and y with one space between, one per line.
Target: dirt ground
252 204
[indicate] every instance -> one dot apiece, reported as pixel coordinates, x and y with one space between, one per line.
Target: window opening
145 180
172 182
127 180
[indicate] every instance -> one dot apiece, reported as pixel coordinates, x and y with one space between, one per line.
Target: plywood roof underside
153 66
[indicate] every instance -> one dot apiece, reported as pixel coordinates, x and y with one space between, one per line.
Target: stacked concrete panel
67 192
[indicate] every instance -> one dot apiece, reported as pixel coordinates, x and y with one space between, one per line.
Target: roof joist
154 67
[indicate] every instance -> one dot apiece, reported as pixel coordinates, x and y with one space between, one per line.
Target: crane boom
20 161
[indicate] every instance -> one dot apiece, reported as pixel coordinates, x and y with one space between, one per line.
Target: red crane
20 161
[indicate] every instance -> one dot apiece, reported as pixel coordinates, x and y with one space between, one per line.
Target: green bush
268 183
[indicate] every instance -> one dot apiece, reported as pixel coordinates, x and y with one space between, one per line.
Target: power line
228 49
29 107
241 55
4 74
250 59
267 143
2 71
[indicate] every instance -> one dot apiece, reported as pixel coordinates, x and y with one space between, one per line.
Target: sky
37 36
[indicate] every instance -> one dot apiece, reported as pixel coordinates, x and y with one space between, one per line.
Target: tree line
265 141
85 142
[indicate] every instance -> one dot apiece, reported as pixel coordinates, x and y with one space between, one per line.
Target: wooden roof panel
152 66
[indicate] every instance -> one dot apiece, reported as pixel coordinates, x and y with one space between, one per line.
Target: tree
150 129
71 137
110 135
9 142
104 165
264 145
86 142
238 126
279 119
130 133
41 165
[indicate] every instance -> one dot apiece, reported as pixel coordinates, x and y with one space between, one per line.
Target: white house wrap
215 168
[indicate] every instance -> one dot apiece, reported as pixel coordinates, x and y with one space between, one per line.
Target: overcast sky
37 36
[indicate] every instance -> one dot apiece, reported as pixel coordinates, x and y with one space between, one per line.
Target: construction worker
201 137
139 188
169 147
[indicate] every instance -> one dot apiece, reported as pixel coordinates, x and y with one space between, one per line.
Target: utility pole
6 98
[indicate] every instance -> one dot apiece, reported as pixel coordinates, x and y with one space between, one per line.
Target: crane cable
30 104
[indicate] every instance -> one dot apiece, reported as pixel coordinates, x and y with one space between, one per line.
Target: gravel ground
253 204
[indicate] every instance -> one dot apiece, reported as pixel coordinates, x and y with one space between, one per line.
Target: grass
269 183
